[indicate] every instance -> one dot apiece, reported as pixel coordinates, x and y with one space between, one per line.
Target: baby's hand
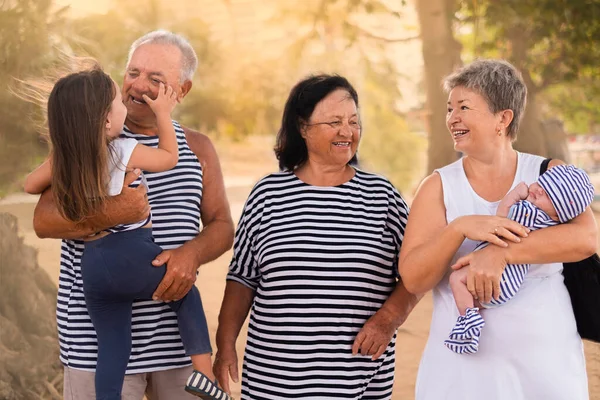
165 101
522 190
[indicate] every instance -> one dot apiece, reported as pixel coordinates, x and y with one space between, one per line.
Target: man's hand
181 273
375 335
226 365
131 205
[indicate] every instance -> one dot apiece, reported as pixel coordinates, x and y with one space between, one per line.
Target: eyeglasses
354 125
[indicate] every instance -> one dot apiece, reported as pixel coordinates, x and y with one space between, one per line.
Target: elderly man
191 192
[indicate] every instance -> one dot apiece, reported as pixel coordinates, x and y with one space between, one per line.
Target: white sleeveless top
530 348
121 151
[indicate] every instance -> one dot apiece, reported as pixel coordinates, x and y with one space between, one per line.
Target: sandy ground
239 177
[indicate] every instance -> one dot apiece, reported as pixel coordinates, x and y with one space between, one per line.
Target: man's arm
128 207
216 236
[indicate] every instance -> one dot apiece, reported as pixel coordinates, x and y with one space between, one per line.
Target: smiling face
333 132
472 125
150 65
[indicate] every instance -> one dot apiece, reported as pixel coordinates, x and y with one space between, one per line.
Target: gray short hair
500 84
189 58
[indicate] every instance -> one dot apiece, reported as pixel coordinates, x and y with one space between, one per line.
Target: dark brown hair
290 148
77 110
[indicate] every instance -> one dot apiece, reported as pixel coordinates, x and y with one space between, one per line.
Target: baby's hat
569 189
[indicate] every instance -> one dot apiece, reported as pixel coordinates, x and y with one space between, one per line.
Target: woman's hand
485 268
490 228
226 365
375 335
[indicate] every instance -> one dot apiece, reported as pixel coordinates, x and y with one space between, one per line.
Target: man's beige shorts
160 385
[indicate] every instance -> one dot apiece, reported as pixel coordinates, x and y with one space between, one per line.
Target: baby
559 195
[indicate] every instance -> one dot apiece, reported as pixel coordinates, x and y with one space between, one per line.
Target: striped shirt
322 260
175 197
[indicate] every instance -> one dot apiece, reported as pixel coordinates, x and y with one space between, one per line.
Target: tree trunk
530 138
441 55
556 140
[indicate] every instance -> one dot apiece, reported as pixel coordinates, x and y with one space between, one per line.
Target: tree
441 55
552 42
30 32
333 36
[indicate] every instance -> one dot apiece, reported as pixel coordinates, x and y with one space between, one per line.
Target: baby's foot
464 337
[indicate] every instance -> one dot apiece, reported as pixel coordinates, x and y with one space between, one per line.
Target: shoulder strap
544 165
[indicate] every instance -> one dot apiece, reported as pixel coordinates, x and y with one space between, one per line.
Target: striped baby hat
569 189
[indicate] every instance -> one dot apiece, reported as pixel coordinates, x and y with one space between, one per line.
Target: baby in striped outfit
560 194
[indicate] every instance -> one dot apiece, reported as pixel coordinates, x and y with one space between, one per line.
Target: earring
500 132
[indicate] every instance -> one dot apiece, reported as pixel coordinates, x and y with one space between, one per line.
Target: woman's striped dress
322 261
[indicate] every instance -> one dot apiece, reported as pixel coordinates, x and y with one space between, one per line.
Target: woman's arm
378 331
234 310
569 242
39 179
430 243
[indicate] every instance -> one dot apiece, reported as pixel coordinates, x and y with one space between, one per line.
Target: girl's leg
134 277
112 322
462 296
111 317
193 329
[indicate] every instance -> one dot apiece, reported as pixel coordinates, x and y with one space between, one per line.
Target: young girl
88 163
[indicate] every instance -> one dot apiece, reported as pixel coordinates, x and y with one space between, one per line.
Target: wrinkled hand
180 275
132 202
375 335
165 101
226 365
485 268
490 228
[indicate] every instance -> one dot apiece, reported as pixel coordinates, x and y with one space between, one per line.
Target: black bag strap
544 166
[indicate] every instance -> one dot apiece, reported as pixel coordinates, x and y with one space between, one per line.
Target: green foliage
388 146
235 92
331 39
555 43
29 33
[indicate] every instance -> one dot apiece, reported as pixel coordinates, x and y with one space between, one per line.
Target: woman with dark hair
531 348
314 262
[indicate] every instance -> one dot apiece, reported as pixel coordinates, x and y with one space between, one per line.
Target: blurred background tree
251 53
30 39
556 46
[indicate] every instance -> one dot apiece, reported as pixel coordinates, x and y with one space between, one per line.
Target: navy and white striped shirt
175 197
322 260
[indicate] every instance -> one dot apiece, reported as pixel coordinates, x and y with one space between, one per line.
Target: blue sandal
201 386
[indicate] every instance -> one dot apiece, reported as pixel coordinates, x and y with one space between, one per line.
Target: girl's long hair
78 107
